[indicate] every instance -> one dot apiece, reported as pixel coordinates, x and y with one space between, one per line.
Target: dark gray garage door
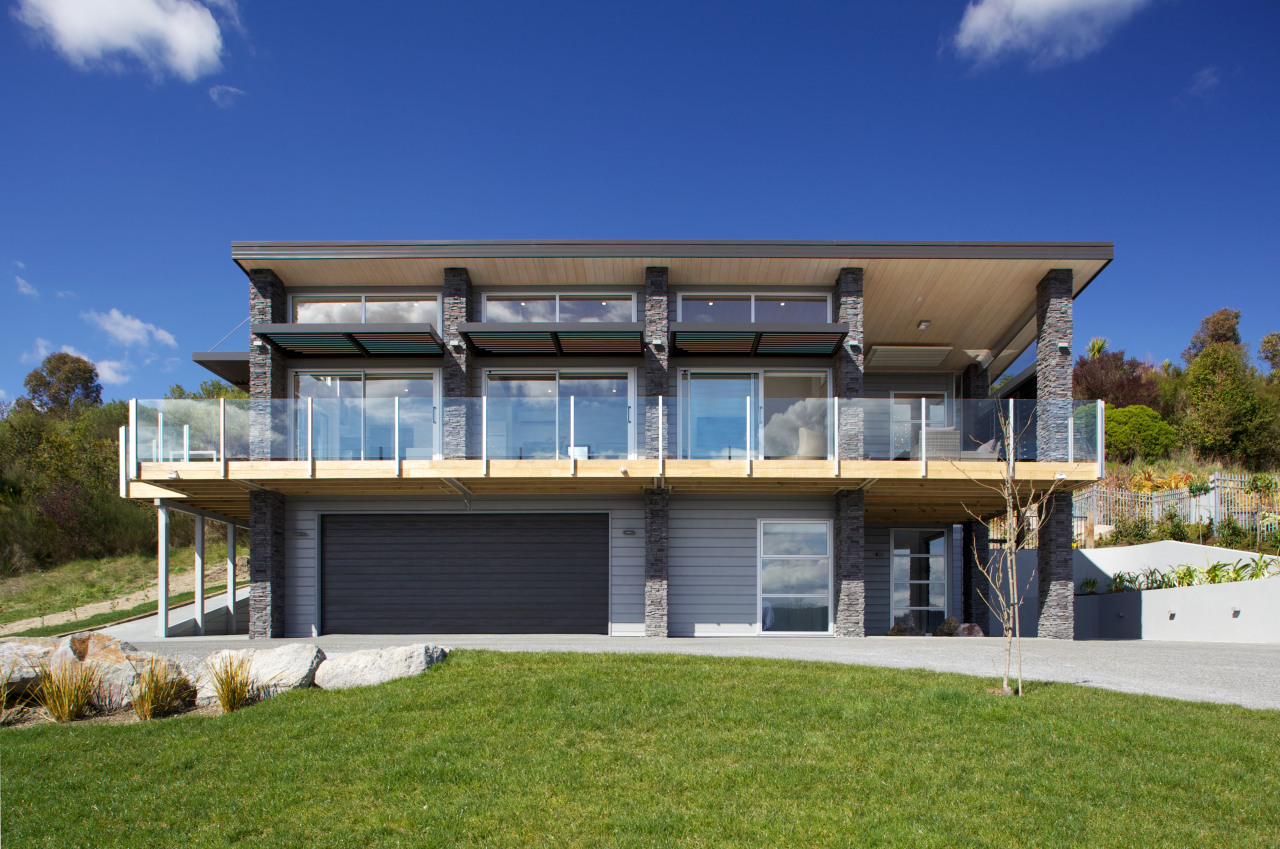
533 573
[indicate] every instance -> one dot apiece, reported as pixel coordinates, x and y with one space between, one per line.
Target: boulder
20 657
947 627
970 629
273 670
364 668
118 663
904 629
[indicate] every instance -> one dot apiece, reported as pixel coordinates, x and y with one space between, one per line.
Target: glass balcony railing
568 427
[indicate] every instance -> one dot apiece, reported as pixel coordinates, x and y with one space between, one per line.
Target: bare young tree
1022 501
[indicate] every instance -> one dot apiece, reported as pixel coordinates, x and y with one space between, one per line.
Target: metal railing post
395 441
186 443
924 438
133 439
1071 436
1012 446
311 457
484 432
662 439
159 435
833 444
750 422
124 461
1102 439
222 436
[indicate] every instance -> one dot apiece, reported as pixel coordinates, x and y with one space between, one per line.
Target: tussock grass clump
67 691
161 689
233 684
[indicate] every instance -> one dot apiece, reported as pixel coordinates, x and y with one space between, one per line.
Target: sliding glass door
558 415
795 576
777 414
353 415
918 574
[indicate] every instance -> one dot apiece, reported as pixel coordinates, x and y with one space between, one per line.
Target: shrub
1172 527
160 689
1137 431
1226 416
1130 530
1231 534
233 685
67 691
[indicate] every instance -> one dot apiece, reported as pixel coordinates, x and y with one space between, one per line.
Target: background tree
209 389
1226 416
1269 352
1219 328
62 382
1115 379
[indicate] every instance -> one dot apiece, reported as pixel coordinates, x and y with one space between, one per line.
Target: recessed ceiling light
924 323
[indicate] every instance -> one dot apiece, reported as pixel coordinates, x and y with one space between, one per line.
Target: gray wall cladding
713 560
626 552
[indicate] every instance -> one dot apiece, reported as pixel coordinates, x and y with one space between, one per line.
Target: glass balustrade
604 425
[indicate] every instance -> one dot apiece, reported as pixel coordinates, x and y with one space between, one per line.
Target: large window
778 414
354 415
918 574
553 415
795 576
365 309
563 308
759 309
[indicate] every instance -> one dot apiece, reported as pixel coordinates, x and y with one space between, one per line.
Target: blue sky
141 137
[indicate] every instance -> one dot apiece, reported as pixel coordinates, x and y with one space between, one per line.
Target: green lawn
82 582
101 620
522 750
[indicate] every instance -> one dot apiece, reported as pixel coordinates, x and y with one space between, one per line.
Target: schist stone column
657 504
1057 579
454 310
1053 364
850 564
848 364
267 381
977 550
657 322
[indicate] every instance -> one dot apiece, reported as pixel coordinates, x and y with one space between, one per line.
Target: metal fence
1228 496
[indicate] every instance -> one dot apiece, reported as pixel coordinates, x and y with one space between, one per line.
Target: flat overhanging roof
978 297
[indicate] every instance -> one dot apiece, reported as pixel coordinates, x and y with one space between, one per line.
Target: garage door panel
467 573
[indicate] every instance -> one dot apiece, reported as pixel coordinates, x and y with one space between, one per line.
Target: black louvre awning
555 338
758 339
231 366
353 340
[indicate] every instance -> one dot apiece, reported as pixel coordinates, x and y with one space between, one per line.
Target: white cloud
224 95
3 394
76 352
19 263
128 330
25 288
42 350
1205 81
113 371
1048 32
66 293
176 36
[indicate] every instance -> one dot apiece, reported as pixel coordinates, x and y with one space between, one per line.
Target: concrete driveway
1231 673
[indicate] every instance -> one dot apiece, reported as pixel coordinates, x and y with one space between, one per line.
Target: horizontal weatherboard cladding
469 573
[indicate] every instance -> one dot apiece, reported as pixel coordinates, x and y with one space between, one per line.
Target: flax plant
67 691
233 683
160 688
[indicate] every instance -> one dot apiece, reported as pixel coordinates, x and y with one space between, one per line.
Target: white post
833 428
311 457
231 579
1071 437
573 433
159 436
749 423
222 436
924 439
198 544
162 564
395 415
1102 440
186 443
124 461
662 440
484 432
1012 445
133 438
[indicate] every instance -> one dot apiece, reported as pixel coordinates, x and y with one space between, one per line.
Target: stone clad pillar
977 550
268 381
1053 364
850 564
1055 570
657 504
657 322
848 365
459 424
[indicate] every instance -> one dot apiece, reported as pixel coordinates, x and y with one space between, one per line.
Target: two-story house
631 438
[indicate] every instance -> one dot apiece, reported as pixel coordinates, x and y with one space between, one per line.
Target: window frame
571 371
437 389
752 295
831 577
684 424
484 303
946 532
363 298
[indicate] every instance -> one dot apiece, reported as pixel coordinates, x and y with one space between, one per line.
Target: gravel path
1231 673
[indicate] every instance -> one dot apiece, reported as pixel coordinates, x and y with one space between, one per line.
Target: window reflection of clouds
798 538
595 309
781 434
794 576
520 309
326 312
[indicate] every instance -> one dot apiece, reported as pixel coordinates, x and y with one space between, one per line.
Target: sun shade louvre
623 338
907 356
231 366
766 339
353 340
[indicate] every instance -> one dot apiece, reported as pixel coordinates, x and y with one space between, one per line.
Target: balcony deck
947 490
